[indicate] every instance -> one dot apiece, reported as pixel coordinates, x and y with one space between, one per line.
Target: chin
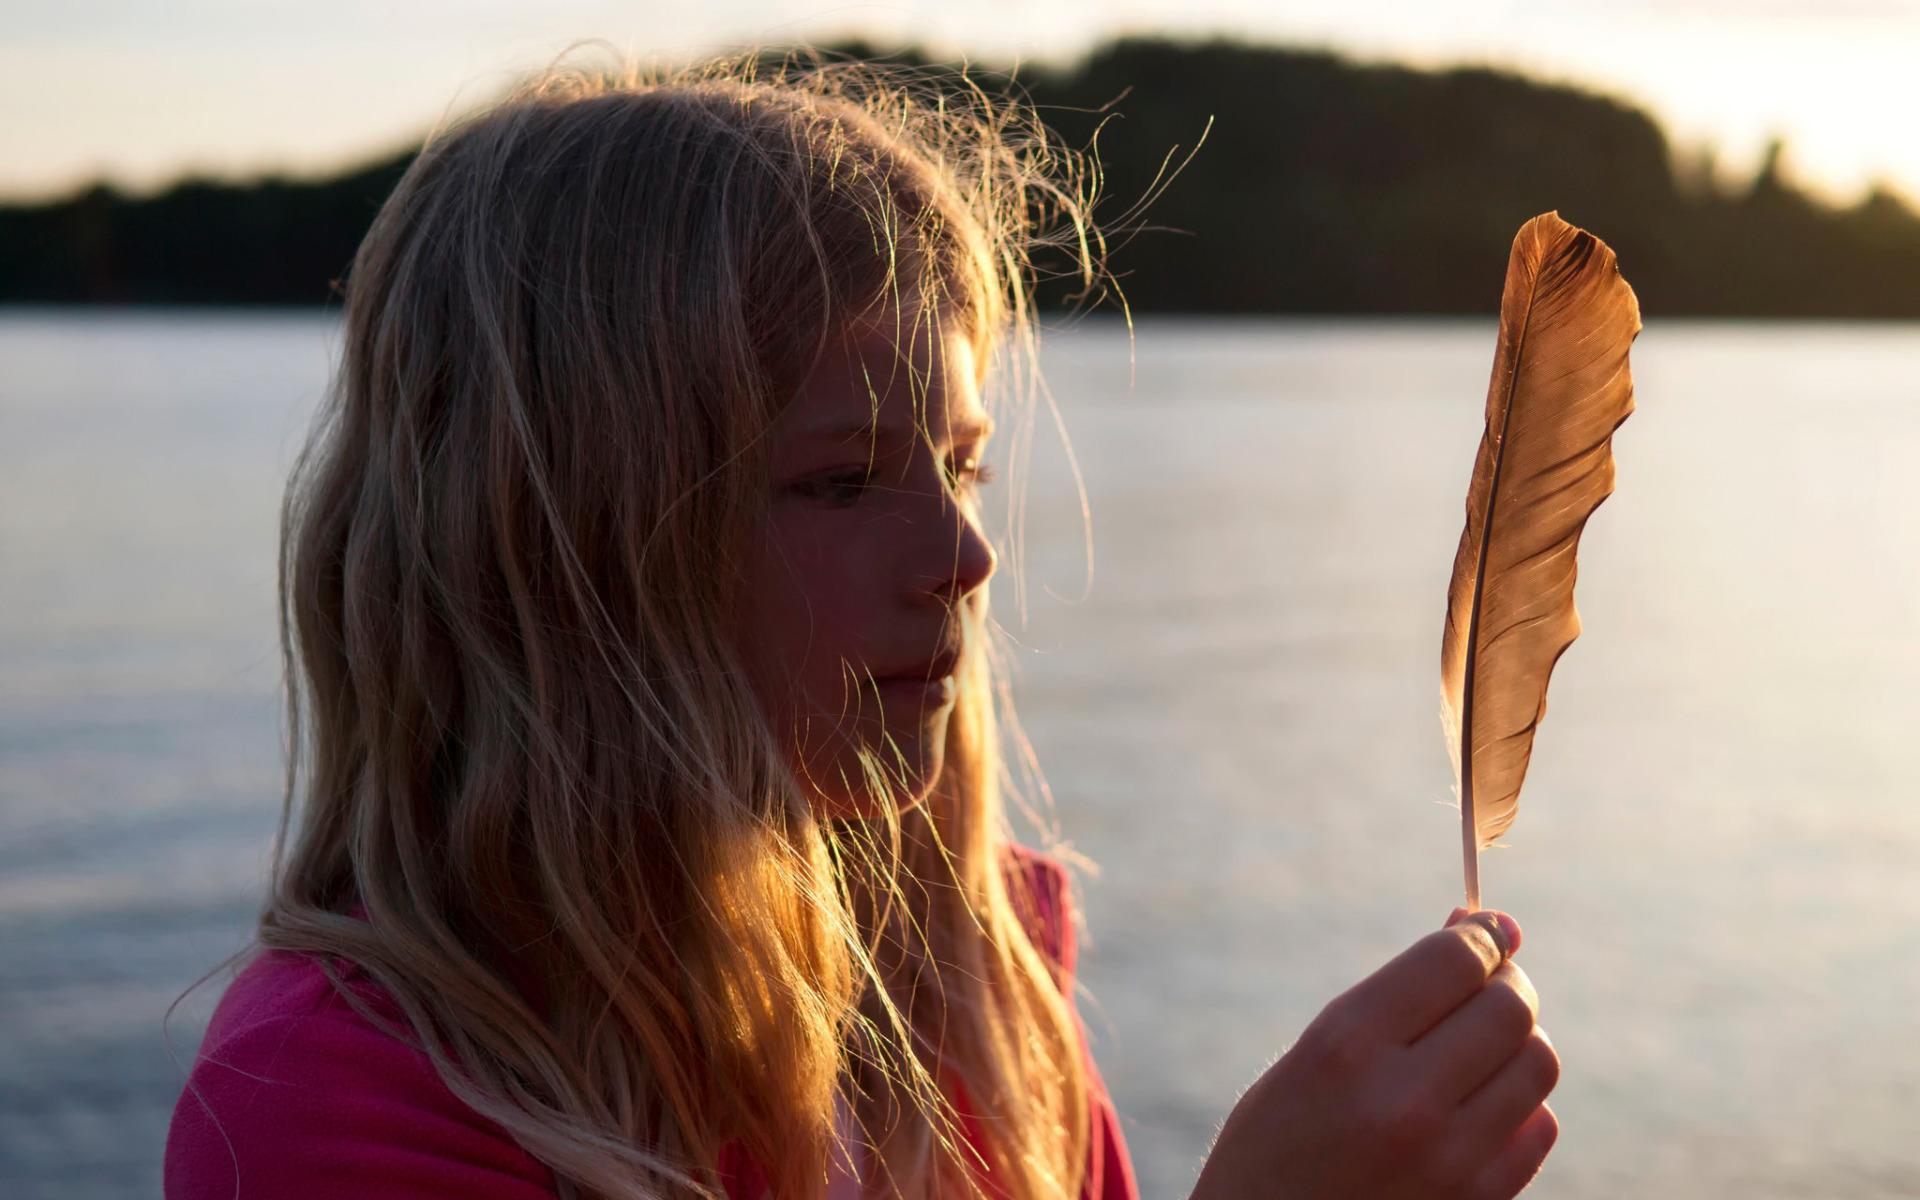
848 791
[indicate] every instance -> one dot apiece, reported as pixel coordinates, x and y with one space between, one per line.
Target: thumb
1505 930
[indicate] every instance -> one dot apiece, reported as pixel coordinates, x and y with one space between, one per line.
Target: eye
840 488
969 471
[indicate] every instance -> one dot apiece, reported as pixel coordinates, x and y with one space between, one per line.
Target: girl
651 840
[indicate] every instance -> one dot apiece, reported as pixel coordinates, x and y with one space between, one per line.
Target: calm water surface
1717 861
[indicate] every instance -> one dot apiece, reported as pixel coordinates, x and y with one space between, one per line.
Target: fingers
1480 1037
1518 1161
1510 1096
1431 978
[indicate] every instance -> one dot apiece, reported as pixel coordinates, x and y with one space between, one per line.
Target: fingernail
1455 917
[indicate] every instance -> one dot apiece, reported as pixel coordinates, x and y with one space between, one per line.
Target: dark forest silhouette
1323 186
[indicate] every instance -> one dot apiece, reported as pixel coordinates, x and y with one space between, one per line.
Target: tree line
1306 183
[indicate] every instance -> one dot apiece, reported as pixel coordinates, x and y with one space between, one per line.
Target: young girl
650 840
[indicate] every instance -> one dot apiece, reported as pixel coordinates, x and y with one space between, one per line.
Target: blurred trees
275 241
1323 186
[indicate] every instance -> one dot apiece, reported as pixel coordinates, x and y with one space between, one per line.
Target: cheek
810 599
817 603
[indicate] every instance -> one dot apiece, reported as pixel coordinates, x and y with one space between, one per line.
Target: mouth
925 685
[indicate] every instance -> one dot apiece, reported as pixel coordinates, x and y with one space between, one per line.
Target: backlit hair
523 742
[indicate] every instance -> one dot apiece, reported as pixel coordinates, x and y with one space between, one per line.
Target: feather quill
1560 388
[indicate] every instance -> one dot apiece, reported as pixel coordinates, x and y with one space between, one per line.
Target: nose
960 560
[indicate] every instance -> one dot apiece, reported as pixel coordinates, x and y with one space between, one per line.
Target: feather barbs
1560 387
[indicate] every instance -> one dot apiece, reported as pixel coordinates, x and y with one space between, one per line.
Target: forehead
891 379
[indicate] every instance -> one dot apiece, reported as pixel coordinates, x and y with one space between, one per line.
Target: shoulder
1042 893
296 1094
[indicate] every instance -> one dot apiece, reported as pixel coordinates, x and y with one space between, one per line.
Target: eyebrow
843 432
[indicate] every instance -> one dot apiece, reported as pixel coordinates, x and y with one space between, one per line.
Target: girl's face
870 556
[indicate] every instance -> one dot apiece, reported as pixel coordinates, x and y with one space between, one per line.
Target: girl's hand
1426 1081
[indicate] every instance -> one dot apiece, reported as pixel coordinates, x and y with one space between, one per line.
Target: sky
143 91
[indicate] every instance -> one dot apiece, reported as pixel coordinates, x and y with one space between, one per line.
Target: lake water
1718 854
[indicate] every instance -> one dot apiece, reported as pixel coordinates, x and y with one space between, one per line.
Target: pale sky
142 91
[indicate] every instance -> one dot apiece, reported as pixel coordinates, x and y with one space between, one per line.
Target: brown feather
1560 388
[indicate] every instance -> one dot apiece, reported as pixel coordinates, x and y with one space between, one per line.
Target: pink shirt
295 1096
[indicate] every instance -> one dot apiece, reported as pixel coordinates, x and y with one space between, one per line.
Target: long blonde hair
523 745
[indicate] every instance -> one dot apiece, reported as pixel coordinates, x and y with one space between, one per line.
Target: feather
1560 388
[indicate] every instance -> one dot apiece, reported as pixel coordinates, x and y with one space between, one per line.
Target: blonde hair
522 741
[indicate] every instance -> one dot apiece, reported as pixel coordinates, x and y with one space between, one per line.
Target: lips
927 684
940 666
